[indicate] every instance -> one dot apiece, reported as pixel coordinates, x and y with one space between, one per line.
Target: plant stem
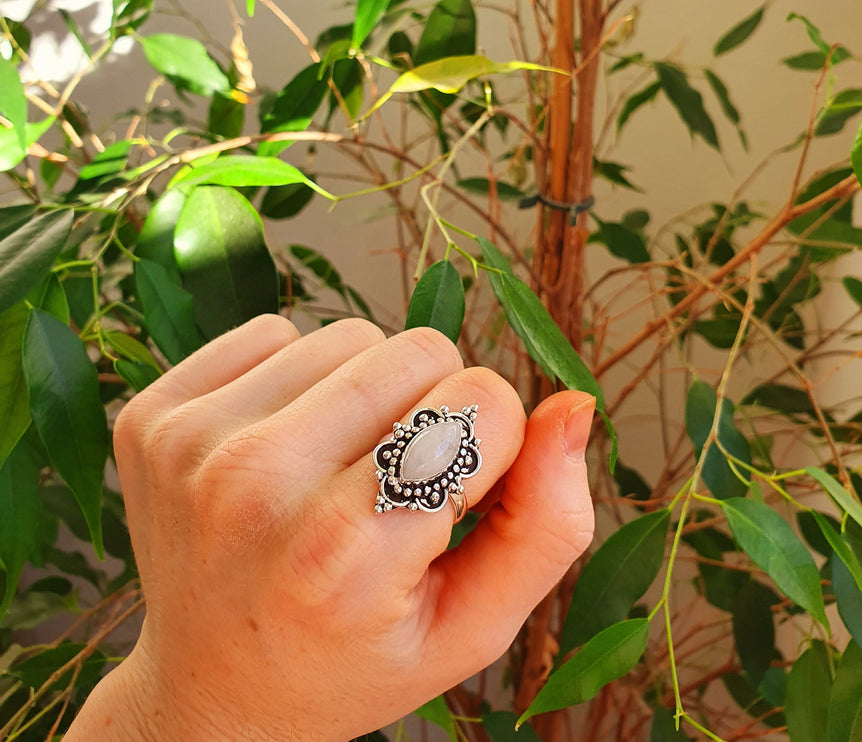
842 190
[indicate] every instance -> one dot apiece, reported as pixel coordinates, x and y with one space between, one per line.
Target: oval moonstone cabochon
431 451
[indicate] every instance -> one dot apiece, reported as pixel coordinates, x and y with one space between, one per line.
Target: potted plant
722 598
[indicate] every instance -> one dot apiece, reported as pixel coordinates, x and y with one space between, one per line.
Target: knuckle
273 324
129 423
435 346
490 385
358 329
176 441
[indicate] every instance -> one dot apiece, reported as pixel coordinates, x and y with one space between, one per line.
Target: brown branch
844 189
535 670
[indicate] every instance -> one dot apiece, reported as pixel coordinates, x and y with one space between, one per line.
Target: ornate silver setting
421 466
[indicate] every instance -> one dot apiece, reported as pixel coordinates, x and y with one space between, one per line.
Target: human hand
279 606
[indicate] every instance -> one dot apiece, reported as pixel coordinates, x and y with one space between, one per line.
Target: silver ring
421 466
459 503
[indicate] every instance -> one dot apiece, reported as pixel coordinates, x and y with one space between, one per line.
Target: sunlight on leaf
450 74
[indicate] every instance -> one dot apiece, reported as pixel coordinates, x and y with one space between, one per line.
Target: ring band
459 503
421 466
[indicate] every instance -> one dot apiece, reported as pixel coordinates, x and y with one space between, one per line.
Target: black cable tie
573 209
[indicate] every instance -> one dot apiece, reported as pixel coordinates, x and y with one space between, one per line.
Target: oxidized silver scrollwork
421 466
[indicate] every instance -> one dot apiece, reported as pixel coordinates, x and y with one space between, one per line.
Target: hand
279 606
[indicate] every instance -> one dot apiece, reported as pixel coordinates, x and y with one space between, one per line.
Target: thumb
526 542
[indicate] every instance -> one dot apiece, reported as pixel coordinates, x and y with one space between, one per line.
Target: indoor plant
101 247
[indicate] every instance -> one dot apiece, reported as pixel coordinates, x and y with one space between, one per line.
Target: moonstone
431 451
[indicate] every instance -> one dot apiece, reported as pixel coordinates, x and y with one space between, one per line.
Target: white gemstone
431 451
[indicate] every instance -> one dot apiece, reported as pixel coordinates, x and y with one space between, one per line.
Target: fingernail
577 429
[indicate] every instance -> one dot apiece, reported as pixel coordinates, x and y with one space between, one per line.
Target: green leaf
723 96
11 151
687 101
813 32
639 99
36 671
543 340
615 173
607 656
136 374
50 297
753 700
284 202
241 171
482 187
840 109
450 74
438 301
27 253
816 61
787 399
807 701
739 33
220 250
20 514
841 548
226 116
848 598
720 331
111 161
156 241
853 287
12 218
631 484
294 107
359 303
74 563
186 63
249 8
773 546
34 607
129 15
501 726
856 154
844 715
754 629
811 531
663 727
773 688
168 311
67 412
60 503
320 266
437 712
700 407
14 405
449 31
616 576
348 77
622 242
13 102
837 492
495 260
368 12
130 347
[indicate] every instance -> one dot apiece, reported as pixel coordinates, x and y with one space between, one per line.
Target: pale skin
279 606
